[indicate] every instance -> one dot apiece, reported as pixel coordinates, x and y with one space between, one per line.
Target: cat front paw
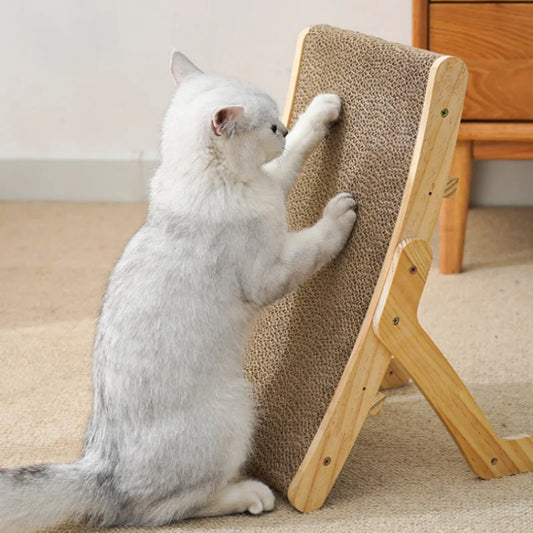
343 208
323 111
339 216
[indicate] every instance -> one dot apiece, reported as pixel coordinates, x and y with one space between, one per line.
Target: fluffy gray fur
172 416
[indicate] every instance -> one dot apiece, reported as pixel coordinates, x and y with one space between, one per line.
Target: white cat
172 417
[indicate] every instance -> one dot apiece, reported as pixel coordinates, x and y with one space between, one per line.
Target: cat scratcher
317 357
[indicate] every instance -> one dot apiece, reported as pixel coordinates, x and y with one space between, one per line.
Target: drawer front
496 42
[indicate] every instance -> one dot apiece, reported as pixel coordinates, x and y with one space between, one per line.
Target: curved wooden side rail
396 325
370 358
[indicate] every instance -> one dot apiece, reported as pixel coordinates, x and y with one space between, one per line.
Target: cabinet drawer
496 42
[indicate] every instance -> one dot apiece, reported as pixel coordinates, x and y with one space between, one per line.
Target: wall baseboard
75 180
495 183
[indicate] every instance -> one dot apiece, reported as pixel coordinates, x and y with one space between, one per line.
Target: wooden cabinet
495 39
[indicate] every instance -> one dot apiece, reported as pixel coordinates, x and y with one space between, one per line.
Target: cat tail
35 497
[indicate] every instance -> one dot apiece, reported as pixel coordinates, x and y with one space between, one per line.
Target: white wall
86 81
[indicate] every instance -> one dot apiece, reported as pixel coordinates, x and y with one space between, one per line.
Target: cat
172 417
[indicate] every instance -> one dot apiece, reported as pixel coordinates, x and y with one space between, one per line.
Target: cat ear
181 67
227 120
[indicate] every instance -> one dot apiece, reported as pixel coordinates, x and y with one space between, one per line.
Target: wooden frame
396 324
357 394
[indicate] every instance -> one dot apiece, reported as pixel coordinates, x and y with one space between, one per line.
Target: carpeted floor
404 474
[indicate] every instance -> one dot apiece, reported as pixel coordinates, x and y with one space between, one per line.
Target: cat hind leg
232 498
239 497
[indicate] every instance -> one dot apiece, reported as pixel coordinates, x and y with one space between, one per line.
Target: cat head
226 118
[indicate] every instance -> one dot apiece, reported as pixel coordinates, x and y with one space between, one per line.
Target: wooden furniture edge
496 131
517 150
397 327
369 360
420 30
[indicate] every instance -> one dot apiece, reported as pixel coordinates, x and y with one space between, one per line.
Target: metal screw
396 320
326 461
444 112
494 460
412 269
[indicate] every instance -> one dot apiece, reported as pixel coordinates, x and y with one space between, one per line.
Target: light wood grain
369 360
496 131
502 150
396 324
297 60
491 31
500 90
496 42
454 212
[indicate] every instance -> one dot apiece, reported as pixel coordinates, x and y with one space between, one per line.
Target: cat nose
284 131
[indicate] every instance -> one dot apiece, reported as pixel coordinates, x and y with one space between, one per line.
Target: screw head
326 461
396 320
412 269
444 112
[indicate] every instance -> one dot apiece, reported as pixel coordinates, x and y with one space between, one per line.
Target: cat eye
274 128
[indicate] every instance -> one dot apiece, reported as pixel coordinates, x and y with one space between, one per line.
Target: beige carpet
404 474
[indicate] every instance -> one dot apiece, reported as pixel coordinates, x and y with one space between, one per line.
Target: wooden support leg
454 212
353 401
396 324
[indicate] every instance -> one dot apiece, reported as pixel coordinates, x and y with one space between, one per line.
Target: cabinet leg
454 212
